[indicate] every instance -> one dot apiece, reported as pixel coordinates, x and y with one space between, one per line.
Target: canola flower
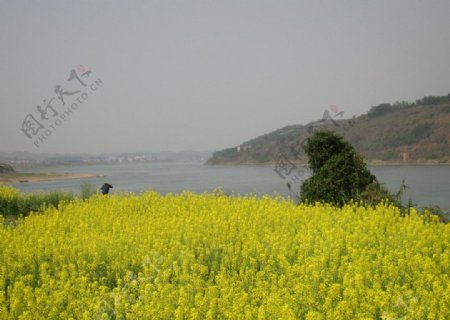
212 256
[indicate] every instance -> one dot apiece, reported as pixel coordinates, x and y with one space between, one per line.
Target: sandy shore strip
37 177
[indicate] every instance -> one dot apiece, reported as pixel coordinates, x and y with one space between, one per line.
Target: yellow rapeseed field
213 256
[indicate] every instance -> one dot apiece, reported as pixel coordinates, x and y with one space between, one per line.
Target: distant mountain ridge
389 133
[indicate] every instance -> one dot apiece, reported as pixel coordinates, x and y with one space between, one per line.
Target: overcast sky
178 75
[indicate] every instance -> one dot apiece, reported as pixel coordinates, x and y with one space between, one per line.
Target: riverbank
27 177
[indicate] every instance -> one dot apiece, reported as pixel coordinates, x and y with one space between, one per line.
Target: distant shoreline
373 163
26 177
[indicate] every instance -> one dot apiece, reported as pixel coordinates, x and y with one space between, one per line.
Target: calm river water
426 184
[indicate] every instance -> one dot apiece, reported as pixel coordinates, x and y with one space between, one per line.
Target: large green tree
339 171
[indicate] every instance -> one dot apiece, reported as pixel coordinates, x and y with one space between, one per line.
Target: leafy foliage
14 203
380 110
87 190
443 215
339 172
427 100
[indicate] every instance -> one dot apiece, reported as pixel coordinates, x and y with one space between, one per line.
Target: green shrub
13 203
376 193
339 172
427 100
444 216
9 200
87 190
380 110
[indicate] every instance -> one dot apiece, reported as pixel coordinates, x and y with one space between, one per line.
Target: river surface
426 184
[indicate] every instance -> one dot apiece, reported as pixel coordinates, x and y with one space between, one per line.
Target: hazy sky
179 75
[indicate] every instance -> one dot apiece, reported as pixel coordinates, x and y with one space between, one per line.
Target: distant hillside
399 133
22 160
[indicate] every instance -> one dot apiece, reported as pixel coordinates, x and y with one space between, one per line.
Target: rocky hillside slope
400 133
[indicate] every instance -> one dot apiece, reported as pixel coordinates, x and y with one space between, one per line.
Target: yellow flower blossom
212 256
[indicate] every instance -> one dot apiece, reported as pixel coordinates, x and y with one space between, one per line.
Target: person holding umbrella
105 188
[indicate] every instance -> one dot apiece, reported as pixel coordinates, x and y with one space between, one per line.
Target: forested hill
389 133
